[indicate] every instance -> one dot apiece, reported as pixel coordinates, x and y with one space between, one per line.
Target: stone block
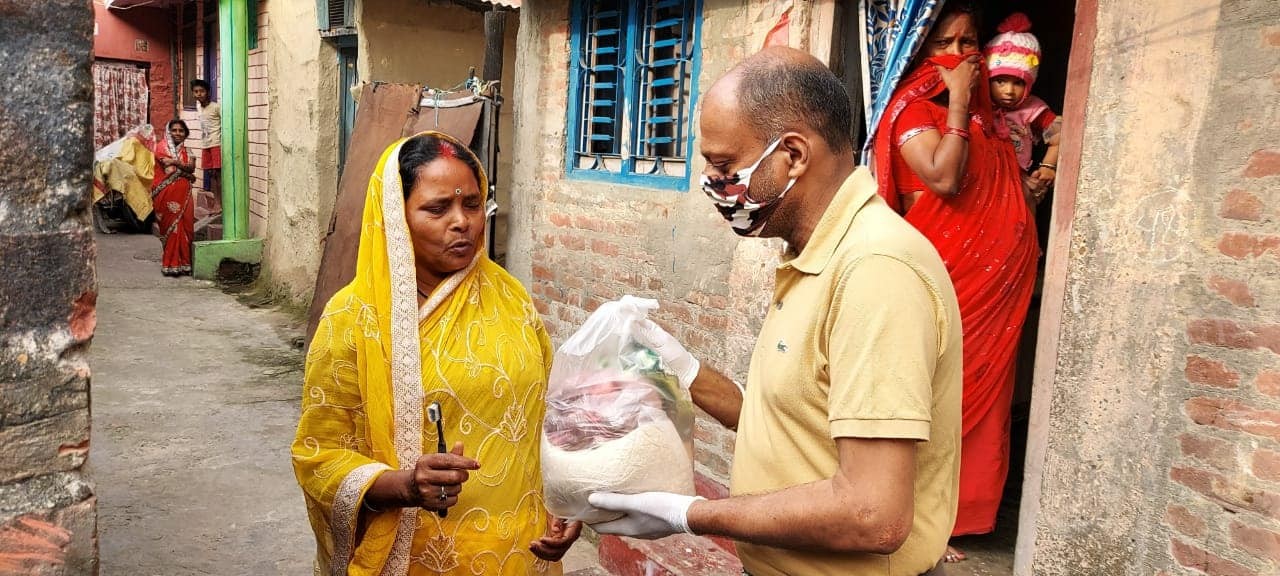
60 262
47 47
55 444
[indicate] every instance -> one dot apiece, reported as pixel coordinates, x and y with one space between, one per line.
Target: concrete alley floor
195 398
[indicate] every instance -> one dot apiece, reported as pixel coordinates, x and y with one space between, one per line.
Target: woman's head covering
387 277
1015 50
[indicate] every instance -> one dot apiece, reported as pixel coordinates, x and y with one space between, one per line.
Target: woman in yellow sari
428 319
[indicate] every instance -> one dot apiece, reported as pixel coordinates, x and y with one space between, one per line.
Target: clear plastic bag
617 419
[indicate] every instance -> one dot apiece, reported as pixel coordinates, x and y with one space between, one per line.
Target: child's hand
1045 175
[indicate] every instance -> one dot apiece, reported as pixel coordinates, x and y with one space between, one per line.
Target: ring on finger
444 495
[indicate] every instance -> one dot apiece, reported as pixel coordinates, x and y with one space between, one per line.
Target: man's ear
799 151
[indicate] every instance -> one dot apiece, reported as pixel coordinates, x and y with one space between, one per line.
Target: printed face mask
729 194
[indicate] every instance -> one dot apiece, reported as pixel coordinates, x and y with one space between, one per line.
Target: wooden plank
380 119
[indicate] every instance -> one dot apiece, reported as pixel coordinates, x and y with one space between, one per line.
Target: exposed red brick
713 322
655 285
1212 451
541 305
679 312
1260 542
559 220
1229 414
1268 383
604 248
1207 562
1240 245
1230 334
1266 465
1224 492
543 273
1185 521
592 224
572 242
84 317
549 240
1263 163
1235 291
1241 205
1271 36
30 542
1211 373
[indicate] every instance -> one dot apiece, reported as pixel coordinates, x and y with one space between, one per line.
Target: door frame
1053 296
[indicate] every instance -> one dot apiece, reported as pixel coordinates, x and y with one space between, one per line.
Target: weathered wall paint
118 33
435 43
48 289
302 95
1163 420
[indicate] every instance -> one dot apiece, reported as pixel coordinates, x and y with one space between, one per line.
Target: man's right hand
673 354
437 474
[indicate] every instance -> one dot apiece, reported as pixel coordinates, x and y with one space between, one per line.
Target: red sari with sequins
174 210
987 239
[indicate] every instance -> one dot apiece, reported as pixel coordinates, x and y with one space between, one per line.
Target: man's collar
857 190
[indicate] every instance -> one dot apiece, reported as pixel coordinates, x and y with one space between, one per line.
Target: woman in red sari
944 163
171 196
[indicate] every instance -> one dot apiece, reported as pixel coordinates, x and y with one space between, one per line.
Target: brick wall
578 244
1225 513
258 126
1162 416
47 289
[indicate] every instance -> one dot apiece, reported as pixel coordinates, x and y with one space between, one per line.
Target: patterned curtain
120 100
894 30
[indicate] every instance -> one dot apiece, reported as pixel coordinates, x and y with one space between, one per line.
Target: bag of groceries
617 419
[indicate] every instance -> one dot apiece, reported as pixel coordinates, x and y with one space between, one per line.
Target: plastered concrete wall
576 244
115 38
48 290
1163 440
302 147
435 43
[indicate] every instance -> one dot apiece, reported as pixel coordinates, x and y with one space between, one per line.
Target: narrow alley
195 398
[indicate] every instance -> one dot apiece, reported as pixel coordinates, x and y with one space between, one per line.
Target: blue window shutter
602 78
666 50
632 86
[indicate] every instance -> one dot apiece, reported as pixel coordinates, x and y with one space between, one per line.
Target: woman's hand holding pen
437 479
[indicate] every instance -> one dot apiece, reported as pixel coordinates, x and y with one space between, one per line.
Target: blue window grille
633 82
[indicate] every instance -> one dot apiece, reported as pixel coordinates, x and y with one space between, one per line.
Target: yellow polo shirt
862 341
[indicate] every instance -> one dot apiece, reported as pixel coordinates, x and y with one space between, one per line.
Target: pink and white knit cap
1015 50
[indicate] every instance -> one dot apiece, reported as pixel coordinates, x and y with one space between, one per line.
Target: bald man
847 453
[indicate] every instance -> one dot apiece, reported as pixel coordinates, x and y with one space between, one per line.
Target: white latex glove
650 515
673 354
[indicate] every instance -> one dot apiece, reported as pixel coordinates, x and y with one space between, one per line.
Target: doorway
1062 83
348 83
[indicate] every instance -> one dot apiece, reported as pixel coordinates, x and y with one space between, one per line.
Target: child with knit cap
1013 59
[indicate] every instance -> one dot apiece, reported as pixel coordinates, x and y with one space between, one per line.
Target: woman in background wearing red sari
171 196
945 164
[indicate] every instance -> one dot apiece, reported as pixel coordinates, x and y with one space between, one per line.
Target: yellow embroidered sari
478 347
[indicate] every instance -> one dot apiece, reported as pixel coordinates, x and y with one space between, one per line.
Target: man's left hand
650 515
561 534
